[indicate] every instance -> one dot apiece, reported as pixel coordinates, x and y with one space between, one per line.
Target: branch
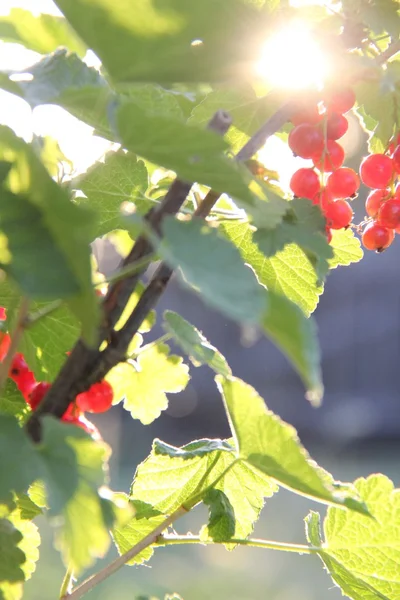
76 375
170 540
119 562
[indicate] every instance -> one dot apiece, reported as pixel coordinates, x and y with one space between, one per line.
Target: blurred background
356 431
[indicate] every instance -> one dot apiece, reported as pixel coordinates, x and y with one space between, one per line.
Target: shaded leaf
213 266
12 557
248 112
221 524
74 473
143 386
193 342
121 178
19 463
166 30
276 449
296 336
64 227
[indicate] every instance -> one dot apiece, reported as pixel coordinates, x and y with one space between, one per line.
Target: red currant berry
374 201
97 399
38 393
26 382
397 191
396 160
389 214
323 199
305 183
331 159
309 115
343 183
305 140
339 214
336 126
376 171
341 100
5 342
3 315
18 366
377 237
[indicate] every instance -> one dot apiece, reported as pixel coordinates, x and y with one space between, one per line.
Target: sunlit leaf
276 449
362 554
43 33
289 272
143 385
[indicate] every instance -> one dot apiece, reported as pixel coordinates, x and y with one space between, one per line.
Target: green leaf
43 33
289 272
12 557
193 342
346 248
247 111
166 29
194 153
172 477
12 402
296 336
45 342
74 473
377 109
276 449
27 508
303 225
29 544
43 206
62 78
144 522
121 178
143 385
362 555
221 524
50 154
213 266
19 463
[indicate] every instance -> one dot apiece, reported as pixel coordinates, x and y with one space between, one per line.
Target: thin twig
170 540
67 583
387 54
15 340
119 562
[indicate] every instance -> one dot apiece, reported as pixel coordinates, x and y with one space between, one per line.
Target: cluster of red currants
314 136
379 171
98 398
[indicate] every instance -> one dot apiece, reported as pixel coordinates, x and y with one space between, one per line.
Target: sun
293 59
